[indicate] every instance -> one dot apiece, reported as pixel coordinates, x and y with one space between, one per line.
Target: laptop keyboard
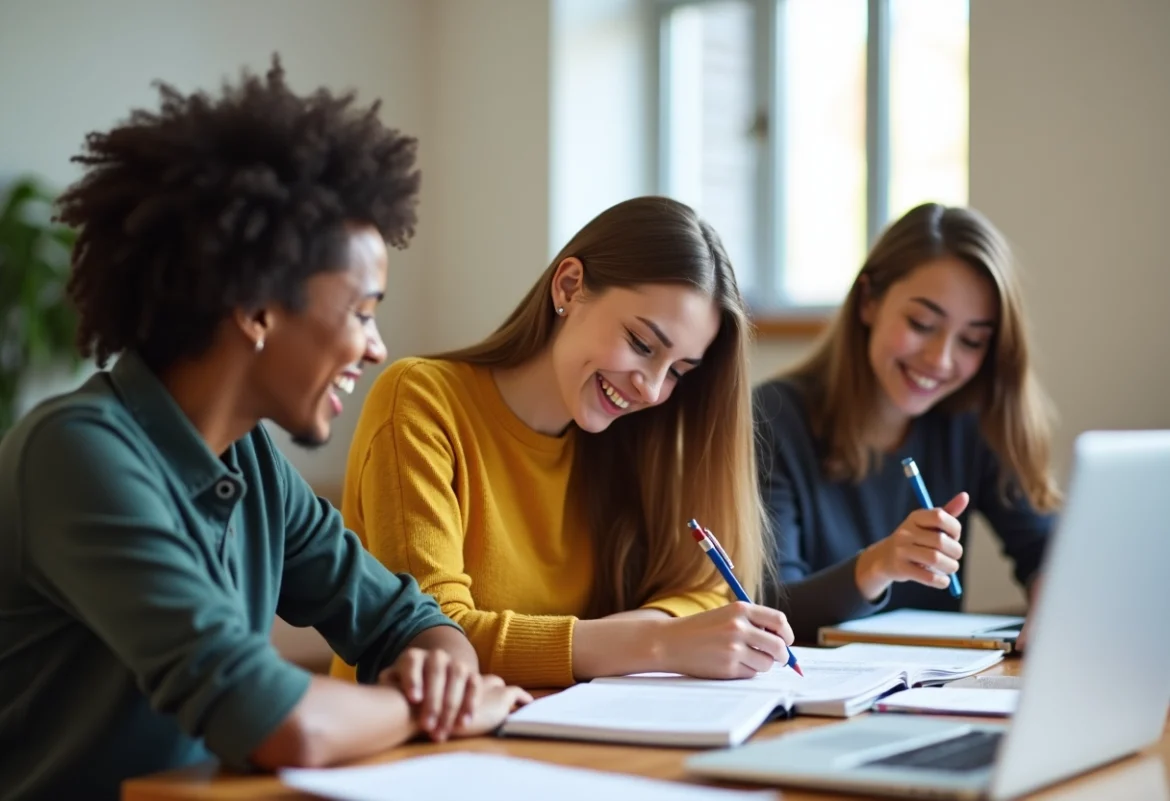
959 754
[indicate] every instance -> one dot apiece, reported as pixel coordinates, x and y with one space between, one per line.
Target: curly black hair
212 204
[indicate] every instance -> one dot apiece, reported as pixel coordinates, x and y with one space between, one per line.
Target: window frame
773 314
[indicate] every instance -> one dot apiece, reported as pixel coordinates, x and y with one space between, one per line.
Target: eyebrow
940 311
665 340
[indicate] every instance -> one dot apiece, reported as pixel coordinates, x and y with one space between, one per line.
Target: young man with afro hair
231 253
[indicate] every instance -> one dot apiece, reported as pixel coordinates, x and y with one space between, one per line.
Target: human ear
867 304
567 284
254 325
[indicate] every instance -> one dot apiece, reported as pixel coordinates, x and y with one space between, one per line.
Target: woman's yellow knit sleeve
690 603
409 469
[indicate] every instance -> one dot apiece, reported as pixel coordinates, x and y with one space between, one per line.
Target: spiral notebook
669 709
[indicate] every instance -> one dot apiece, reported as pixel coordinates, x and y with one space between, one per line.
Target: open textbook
669 709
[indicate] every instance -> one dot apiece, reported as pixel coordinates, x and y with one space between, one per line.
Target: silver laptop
1096 680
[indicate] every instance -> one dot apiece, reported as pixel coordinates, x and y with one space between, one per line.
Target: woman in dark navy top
927 358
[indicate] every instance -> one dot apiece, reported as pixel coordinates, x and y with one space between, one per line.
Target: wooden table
1142 778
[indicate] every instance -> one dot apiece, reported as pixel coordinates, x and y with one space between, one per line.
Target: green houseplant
37 323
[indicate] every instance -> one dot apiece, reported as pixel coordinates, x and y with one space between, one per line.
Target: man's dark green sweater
139 577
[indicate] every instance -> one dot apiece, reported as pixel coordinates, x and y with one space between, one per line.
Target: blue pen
716 556
911 471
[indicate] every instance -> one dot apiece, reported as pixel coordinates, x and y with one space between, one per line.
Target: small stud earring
561 311
260 344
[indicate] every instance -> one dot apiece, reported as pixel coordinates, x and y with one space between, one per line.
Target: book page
829 682
822 680
487 777
650 707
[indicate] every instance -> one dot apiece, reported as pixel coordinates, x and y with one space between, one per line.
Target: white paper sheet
949 701
487 777
988 683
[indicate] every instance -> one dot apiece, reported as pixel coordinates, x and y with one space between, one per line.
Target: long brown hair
692 456
1014 414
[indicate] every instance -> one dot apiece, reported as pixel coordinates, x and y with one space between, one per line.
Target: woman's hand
924 548
736 641
496 702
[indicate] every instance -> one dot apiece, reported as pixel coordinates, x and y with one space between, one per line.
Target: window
800 128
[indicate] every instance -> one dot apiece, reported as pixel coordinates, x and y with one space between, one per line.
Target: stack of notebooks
668 709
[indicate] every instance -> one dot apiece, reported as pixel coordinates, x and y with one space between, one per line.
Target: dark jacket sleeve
811 594
99 543
366 613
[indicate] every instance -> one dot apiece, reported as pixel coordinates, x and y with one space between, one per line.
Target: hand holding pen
723 564
915 478
924 548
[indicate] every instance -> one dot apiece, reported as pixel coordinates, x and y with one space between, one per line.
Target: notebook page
988 683
842 682
824 680
920 663
946 701
676 709
923 622
487 777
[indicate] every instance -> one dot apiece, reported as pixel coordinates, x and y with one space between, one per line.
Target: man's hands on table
439 676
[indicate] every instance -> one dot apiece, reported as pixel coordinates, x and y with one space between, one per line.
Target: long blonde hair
1014 414
692 456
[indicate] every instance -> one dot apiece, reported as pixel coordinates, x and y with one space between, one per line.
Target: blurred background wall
533 115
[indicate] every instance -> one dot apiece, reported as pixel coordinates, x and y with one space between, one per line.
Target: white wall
1070 105
1069 108
487 188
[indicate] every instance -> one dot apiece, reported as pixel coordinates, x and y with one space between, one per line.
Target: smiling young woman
538 483
927 359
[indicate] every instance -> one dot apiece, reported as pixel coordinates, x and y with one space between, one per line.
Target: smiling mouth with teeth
924 383
614 396
345 383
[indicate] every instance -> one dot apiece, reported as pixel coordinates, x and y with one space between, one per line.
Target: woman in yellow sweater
538 484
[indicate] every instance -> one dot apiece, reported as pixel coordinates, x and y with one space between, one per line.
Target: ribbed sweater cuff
535 651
